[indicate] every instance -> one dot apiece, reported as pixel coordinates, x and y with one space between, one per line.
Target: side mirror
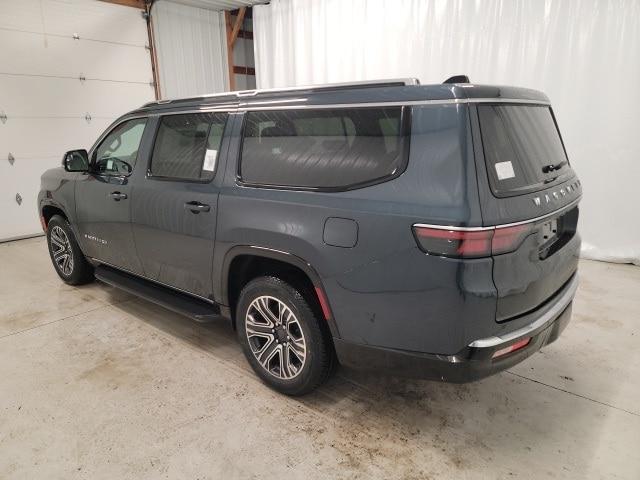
76 161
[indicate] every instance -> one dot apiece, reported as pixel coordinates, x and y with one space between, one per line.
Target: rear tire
67 258
281 337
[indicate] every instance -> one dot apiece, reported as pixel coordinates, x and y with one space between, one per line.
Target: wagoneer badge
556 195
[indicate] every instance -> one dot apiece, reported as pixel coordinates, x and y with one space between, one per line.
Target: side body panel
176 245
58 190
382 291
103 223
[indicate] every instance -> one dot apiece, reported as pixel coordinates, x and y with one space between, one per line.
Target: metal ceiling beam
128 3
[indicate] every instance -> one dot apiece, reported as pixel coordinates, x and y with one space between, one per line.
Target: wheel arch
48 210
237 258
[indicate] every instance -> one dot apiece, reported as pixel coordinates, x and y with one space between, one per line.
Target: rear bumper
474 361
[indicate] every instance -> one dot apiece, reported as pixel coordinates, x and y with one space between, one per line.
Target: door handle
196 207
117 196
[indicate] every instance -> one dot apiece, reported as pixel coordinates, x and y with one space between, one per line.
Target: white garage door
68 68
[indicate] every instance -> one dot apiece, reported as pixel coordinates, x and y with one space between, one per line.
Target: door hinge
11 159
18 199
87 117
3 116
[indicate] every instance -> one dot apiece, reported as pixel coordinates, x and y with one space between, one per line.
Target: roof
378 91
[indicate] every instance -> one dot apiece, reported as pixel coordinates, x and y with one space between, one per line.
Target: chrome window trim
452 101
502 225
549 316
250 106
194 110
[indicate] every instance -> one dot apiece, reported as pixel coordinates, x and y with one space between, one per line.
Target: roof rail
395 82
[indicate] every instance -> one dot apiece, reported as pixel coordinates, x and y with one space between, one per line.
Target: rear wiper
552 167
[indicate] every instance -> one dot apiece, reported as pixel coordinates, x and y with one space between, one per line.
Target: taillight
469 242
453 243
507 239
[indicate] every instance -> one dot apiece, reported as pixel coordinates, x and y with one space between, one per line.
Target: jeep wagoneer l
425 230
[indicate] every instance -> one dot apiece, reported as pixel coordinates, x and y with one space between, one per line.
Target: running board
182 303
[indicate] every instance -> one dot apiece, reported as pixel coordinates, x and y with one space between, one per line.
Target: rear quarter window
520 143
323 148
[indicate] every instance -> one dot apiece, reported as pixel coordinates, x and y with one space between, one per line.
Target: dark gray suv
429 231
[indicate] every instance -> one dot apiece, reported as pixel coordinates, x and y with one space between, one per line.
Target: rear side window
187 146
522 148
323 148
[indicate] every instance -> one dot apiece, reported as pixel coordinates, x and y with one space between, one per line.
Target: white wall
191 49
585 54
43 98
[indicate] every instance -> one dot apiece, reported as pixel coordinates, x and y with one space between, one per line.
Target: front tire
67 258
281 337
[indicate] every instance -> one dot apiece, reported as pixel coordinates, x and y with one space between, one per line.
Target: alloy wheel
275 337
61 250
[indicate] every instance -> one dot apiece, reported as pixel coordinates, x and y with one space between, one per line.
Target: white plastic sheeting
191 49
584 54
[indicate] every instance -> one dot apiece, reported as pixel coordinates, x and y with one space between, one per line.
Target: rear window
324 148
522 148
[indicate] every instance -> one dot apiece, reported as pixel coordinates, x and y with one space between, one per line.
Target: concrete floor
97 384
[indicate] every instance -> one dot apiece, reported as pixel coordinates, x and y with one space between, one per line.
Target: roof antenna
458 79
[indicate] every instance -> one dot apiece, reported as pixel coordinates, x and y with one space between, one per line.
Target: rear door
527 184
174 211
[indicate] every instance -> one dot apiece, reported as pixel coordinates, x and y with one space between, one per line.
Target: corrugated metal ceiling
220 4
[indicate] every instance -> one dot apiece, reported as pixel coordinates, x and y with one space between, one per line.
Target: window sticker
210 160
504 170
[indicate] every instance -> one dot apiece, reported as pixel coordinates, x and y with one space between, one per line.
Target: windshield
522 148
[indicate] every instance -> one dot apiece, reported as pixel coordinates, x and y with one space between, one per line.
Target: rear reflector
324 303
470 243
511 348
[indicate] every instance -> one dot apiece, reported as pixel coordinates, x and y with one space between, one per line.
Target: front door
103 197
174 211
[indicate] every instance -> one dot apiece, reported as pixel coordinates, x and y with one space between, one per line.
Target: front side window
117 153
323 148
187 146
